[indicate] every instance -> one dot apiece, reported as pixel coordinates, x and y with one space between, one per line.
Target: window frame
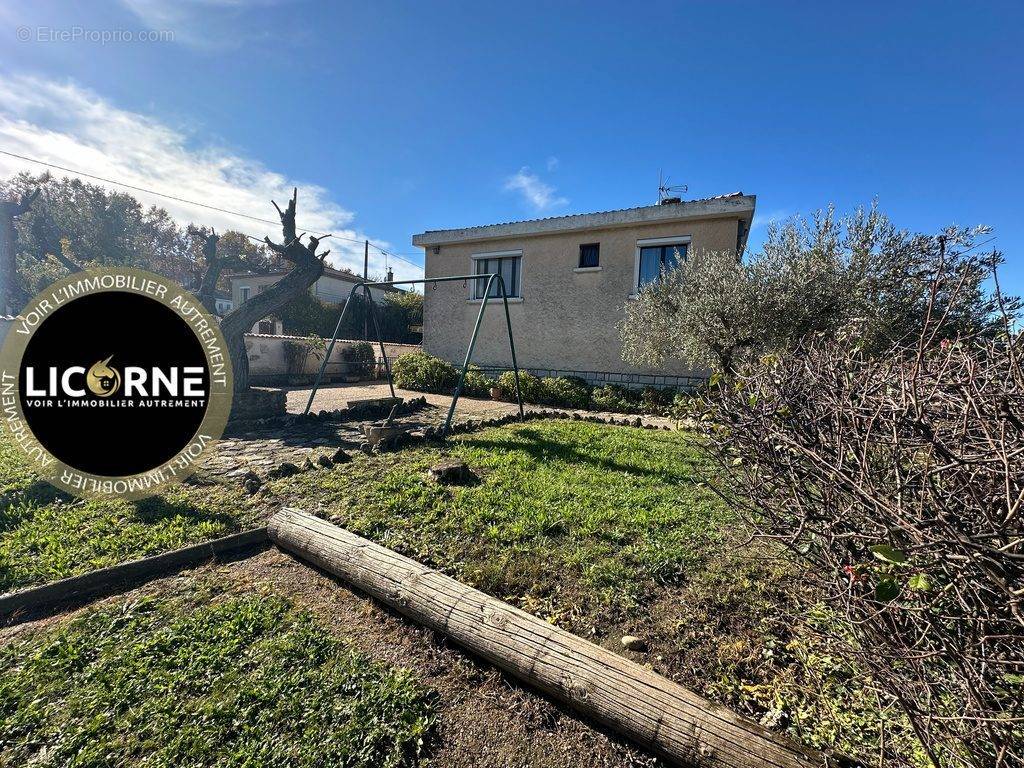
597 256
244 293
653 242
499 255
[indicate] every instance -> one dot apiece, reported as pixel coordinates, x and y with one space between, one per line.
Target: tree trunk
308 268
8 259
9 211
651 710
214 265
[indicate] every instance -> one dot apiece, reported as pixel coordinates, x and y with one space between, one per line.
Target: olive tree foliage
897 474
815 276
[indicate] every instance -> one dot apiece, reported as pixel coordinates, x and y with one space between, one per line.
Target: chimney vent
671 200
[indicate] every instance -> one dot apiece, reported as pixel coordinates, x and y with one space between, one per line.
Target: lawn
203 680
46 534
607 530
602 530
568 517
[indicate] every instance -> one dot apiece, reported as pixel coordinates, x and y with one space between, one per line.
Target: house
333 287
569 278
222 303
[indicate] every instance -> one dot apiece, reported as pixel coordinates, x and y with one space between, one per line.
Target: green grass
239 681
568 516
598 528
46 534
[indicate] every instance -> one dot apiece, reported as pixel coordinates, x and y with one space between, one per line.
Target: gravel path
335 396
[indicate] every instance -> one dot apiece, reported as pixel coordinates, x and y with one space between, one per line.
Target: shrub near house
424 373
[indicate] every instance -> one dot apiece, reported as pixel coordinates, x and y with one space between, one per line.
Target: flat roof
734 204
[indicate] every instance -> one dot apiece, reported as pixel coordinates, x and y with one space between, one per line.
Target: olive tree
809 277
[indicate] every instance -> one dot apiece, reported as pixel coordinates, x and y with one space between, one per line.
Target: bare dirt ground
484 720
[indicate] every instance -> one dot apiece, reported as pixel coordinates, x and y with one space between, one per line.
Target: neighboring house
569 278
222 303
333 287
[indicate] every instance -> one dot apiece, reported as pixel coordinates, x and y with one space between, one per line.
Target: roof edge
733 205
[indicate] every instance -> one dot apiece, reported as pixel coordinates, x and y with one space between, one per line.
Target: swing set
492 279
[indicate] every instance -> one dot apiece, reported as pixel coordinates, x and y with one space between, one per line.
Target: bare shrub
900 478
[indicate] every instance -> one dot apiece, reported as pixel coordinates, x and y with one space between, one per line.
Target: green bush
566 392
307 315
424 373
529 385
297 353
359 360
477 383
613 397
654 400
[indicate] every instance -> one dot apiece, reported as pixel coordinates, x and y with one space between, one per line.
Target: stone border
253 483
26 604
357 409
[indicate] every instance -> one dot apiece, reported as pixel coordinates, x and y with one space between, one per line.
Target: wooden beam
646 707
28 603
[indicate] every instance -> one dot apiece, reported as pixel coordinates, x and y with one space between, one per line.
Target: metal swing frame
491 278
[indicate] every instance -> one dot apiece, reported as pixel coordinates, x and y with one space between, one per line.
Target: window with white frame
508 264
244 292
656 256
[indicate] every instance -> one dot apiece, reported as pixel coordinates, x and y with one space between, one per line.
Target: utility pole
366 297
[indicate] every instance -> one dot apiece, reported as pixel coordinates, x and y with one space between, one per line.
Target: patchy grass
237 681
569 517
46 534
603 530
610 530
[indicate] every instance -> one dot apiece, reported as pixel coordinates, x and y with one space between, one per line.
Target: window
508 264
657 256
590 255
267 327
244 292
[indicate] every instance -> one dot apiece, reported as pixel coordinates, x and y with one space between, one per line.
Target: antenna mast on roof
667 192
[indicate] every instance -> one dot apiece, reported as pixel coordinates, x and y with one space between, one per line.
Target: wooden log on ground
643 706
27 603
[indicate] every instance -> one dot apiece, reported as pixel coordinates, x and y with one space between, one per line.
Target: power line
194 203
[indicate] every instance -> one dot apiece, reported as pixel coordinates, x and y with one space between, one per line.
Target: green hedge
565 392
424 373
529 385
477 383
308 315
359 360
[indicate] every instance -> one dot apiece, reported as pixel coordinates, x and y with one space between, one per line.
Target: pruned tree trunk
10 210
214 266
308 267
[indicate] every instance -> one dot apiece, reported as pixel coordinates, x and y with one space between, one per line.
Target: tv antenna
666 191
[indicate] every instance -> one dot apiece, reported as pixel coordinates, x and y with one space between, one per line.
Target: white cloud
764 219
537 194
66 125
552 163
204 24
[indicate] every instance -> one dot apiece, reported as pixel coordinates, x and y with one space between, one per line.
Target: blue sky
399 117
